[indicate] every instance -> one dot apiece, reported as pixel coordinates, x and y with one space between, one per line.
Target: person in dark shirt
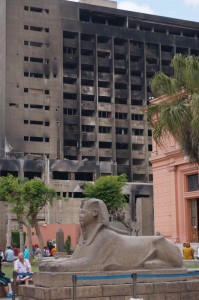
5 281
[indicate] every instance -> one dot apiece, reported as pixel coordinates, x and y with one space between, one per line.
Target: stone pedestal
59 286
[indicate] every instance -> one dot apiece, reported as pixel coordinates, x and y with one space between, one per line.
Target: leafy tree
27 197
109 189
36 195
178 116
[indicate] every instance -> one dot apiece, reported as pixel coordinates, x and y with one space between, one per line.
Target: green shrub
67 245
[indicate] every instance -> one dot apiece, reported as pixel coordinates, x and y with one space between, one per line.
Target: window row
36 9
36 75
108 145
37 59
36 139
36 44
36 91
103 114
108 130
122 21
35 122
37 106
36 28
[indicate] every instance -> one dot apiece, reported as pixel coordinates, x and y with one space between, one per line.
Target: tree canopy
27 197
108 189
178 115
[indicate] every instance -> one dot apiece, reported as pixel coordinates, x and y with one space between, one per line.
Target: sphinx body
101 248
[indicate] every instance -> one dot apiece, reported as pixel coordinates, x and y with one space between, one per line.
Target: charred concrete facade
73 87
75 81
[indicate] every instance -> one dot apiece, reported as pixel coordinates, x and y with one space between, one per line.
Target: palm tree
178 115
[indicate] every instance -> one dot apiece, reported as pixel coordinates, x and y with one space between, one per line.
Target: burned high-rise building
74 84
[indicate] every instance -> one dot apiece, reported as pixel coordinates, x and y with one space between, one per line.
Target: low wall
181 290
59 286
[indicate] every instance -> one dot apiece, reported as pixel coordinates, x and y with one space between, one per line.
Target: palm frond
162 84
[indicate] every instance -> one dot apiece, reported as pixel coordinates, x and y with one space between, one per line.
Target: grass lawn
7 268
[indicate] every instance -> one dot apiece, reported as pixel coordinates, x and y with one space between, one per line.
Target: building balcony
87 60
121 138
70 103
121 123
88 120
87 45
70 88
88 75
104 77
71 135
105 92
138 154
90 90
167 69
104 106
88 136
120 64
139 169
152 53
104 62
137 95
72 58
90 105
69 74
70 43
152 68
123 169
103 46
137 124
121 93
105 152
137 139
136 51
137 80
105 121
121 78
105 137
137 66
120 49
122 153
88 151
71 119
70 150
167 55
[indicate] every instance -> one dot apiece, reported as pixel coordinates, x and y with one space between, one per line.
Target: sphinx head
93 211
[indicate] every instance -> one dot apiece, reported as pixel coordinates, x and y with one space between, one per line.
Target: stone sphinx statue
103 248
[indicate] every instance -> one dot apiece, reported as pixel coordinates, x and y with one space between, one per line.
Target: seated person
9 254
188 252
22 265
53 251
38 253
5 281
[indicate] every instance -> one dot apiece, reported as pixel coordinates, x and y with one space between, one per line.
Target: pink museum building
176 192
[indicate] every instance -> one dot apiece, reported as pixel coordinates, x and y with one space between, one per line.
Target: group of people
9 255
21 266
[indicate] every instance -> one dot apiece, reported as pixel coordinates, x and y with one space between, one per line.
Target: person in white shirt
22 265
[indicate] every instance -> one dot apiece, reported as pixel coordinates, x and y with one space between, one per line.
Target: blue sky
180 9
